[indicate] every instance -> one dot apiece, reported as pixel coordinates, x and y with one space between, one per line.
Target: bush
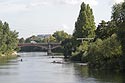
105 54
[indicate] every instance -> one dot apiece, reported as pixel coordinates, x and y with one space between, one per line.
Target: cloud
9 7
37 3
118 1
26 5
62 2
91 2
69 2
75 2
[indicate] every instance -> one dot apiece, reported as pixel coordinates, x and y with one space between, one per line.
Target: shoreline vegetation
8 42
107 49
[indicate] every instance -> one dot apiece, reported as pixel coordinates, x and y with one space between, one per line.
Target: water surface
37 67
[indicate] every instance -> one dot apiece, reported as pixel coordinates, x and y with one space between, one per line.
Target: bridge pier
49 52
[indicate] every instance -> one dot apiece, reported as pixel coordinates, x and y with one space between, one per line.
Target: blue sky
32 17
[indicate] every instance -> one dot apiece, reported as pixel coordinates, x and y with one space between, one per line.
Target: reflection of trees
82 71
104 76
100 76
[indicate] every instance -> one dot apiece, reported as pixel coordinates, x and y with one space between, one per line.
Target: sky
34 17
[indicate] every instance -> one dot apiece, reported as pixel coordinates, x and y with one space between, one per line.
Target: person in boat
21 60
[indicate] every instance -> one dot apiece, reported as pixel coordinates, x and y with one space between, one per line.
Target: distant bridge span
47 46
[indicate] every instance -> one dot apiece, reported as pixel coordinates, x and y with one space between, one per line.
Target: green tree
52 39
12 41
60 35
49 39
28 40
105 54
8 39
67 47
85 25
21 40
81 52
84 28
118 15
105 29
1 34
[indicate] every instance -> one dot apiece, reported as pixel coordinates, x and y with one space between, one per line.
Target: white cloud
37 3
91 2
69 2
62 2
16 6
118 1
75 2
8 7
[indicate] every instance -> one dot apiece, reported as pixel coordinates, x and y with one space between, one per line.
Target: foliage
8 38
105 29
84 28
21 40
28 40
49 39
118 15
67 47
33 38
60 35
81 52
105 54
85 25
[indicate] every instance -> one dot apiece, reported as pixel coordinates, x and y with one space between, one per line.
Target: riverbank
6 57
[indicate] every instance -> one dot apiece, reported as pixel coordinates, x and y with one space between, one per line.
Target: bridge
46 46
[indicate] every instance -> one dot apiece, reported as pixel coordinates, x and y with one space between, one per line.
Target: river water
37 67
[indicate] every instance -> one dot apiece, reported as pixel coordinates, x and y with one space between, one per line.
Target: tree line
56 37
107 49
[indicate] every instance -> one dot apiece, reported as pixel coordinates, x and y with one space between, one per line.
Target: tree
21 40
60 35
52 39
105 29
81 52
28 40
118 15
84 28
105 54
85 25
67 47
1 33
12 41
8 39
49 39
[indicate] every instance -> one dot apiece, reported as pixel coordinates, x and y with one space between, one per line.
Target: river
37 67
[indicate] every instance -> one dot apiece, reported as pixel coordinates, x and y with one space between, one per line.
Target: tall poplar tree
85 25
84 28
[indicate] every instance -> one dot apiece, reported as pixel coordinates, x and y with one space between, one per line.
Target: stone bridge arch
46 46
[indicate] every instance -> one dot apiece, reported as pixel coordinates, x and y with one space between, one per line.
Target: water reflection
102 76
